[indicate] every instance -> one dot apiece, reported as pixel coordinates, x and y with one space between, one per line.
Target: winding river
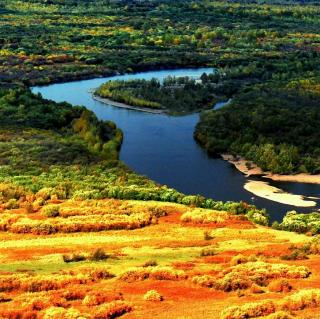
162 146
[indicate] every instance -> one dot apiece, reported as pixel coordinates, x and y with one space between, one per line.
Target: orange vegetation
99 259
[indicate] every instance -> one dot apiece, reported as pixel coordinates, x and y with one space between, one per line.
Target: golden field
134 259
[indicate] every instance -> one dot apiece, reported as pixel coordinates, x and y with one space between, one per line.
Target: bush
112 310
150 263
152 295
255 289
62 313
90 223
295 254
44 193
250 310
207 252
68 258
207 281
258 217
207 235
51 210
280 315
243 276
241 259
156 273
99 254
280 285
11 204
301 223
97 298
202 216
301 300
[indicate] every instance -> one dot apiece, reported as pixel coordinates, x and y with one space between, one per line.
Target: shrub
301 300
280 285
44 193
241 259
75 257
11 204
243 276
152 295
39 303
51 210
258 216
37 283
234 281
18 313
255 289
71 294
29 208
98 298
276 225
204 281
4 298
112 310
280 315
295 254
301 223
99 254
62 313
202 216
207 235
10 191
250 310
90 223
157 273
150 263
207 252
302 252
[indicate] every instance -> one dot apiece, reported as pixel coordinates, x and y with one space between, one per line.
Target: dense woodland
174 95
277 128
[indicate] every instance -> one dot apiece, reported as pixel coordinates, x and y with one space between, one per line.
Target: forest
276 128
173 95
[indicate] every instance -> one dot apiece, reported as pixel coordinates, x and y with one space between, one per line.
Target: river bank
264 190
126 106
162 147
250 169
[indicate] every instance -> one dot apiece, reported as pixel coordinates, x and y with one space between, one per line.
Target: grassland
155 268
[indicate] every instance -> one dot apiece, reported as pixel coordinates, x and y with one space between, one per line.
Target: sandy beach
301 178
126 106
241 164
263 189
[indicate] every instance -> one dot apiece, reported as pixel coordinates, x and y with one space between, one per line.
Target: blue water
162 146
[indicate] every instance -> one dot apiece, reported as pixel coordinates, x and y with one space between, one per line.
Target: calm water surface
162 146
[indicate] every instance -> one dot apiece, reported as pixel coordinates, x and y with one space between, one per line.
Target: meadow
137 259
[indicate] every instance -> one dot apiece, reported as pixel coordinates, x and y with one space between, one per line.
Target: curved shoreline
240 164
126 106
264 190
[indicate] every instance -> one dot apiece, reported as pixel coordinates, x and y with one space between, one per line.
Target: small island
174 95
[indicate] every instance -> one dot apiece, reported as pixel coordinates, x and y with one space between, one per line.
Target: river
162 146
